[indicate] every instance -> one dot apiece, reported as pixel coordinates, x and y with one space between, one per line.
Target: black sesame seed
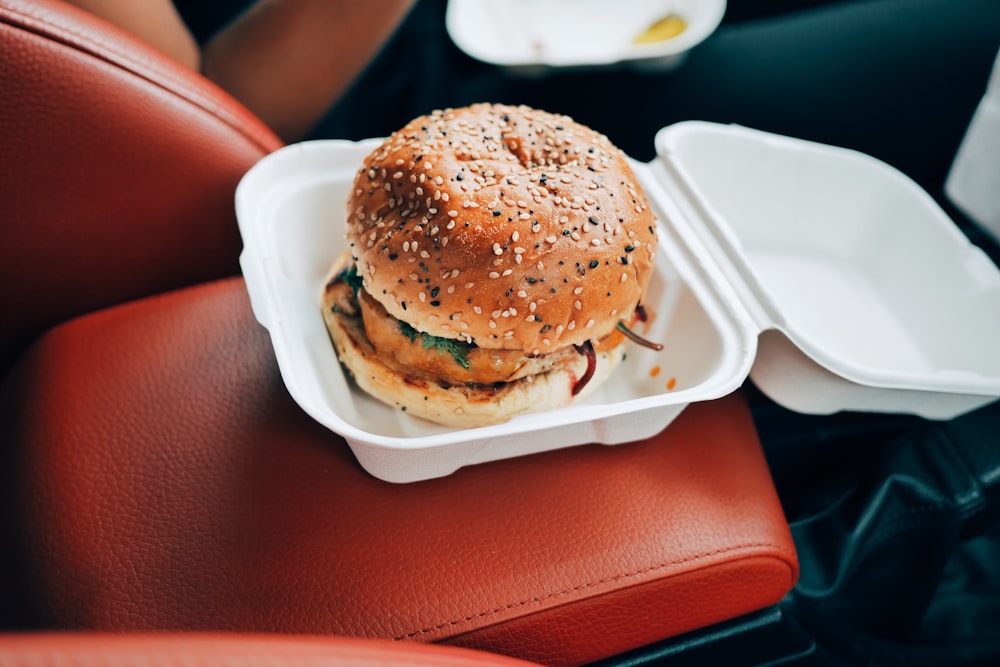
594 263
435 303
403 304
496 213
435 292
594 221
629 248
393 257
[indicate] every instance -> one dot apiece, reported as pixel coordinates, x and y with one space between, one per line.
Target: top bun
503 226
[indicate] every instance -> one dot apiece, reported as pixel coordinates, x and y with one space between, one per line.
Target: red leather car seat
157 475
118 169
227 650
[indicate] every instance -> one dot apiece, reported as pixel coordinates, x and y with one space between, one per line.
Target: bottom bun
463 406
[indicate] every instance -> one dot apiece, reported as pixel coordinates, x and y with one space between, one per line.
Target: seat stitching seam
591 584
60 34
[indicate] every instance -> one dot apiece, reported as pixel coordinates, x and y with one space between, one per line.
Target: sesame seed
507 272
494 274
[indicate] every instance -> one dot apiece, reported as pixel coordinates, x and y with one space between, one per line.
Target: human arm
156 22
288 61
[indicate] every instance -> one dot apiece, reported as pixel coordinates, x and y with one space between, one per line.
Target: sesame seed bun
494 252
505 227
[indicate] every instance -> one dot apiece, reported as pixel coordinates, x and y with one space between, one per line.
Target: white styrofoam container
830 278
533 36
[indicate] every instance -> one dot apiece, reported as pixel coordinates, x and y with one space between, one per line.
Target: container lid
866 293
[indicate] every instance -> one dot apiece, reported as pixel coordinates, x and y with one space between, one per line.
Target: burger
497 261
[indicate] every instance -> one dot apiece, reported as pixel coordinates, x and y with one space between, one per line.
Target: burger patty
446 361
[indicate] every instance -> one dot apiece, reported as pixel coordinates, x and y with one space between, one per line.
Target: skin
288 61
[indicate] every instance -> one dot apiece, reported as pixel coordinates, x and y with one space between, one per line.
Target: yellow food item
662 29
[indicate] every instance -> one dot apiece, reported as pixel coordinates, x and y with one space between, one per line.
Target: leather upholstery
118 169
226 650
166 481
